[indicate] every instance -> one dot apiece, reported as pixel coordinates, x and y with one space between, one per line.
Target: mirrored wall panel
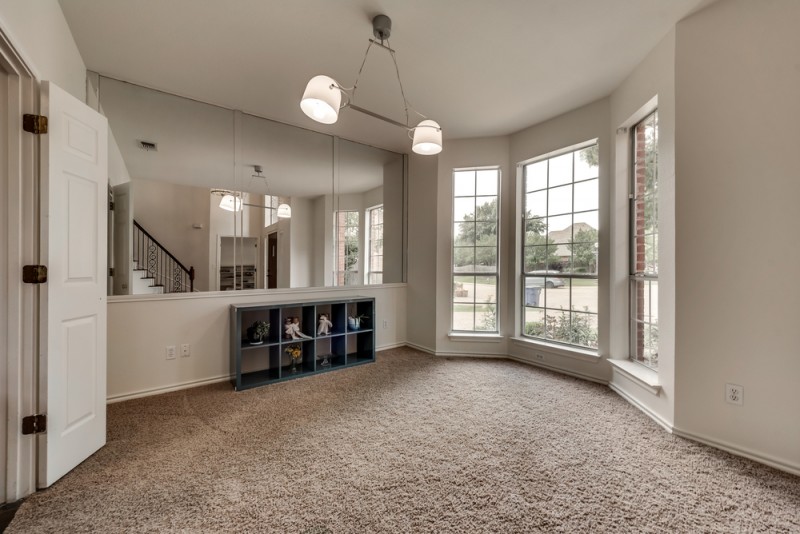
210 199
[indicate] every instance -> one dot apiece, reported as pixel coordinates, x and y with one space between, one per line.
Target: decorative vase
294 365
353 323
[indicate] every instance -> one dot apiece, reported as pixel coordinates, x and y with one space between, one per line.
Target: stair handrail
189 271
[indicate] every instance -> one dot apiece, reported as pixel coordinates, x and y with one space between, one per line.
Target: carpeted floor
412 443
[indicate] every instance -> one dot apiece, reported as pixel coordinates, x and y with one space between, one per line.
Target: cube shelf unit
254 365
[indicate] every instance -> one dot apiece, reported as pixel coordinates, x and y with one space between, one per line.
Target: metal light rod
381 117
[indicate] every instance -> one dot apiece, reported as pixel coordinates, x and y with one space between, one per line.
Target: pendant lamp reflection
284 211
230 203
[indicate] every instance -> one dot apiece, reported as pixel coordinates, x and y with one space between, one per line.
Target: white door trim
19 358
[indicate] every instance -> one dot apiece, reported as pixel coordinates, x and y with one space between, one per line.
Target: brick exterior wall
639 263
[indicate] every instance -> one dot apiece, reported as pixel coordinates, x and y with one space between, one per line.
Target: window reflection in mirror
201 195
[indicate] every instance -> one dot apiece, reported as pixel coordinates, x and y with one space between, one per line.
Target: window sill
639 374
480 338
558 350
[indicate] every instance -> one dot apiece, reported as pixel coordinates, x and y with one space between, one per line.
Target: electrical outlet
170 352
385 324
734 394
539 356
185 351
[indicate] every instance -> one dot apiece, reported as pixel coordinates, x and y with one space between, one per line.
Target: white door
72 370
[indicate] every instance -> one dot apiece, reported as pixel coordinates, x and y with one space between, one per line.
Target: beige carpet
409 444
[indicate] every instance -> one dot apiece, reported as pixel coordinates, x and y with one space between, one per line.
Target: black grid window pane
475 244
643 285
560 248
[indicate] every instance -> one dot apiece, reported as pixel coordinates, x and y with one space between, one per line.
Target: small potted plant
258 332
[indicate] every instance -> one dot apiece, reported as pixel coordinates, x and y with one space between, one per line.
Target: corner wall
738 126
653 78
422 198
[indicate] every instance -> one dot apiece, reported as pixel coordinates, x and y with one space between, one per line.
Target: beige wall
140 328
40 34
738 126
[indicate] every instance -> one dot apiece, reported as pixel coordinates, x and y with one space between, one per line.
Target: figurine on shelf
292 328
325 325
288 329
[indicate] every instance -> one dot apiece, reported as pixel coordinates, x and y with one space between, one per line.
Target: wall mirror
210 199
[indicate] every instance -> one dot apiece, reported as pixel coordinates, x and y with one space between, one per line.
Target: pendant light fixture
322 98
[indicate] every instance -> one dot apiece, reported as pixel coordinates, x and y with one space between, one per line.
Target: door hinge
34 424
111 206
35 124
111 271
34 274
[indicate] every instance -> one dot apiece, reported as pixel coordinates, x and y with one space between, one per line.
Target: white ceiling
478 67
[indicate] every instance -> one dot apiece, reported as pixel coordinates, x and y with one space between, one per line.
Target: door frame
19 361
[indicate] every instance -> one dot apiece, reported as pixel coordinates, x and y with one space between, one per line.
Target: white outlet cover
734 394
170 352
185 351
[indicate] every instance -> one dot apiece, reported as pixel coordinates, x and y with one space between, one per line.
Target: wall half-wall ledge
637 373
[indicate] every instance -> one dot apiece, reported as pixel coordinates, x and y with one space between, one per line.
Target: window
271 210
560 248
375 245
475 216
644 243
346 240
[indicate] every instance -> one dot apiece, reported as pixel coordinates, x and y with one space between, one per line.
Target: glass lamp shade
427 138
284 211
322 99
230 203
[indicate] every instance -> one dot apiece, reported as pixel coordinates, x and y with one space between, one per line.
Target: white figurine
324 325
294 329
288 329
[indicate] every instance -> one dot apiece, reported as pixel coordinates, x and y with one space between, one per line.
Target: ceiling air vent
147 145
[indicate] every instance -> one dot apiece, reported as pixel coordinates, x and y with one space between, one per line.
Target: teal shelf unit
258 364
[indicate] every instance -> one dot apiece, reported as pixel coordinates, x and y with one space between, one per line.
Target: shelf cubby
254 365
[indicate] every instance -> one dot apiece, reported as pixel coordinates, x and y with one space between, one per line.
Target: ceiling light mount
322 98
381 27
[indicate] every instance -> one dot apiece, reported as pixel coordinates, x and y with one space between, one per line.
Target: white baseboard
420 348
771 461
390 346
166 389
666 425
575 374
